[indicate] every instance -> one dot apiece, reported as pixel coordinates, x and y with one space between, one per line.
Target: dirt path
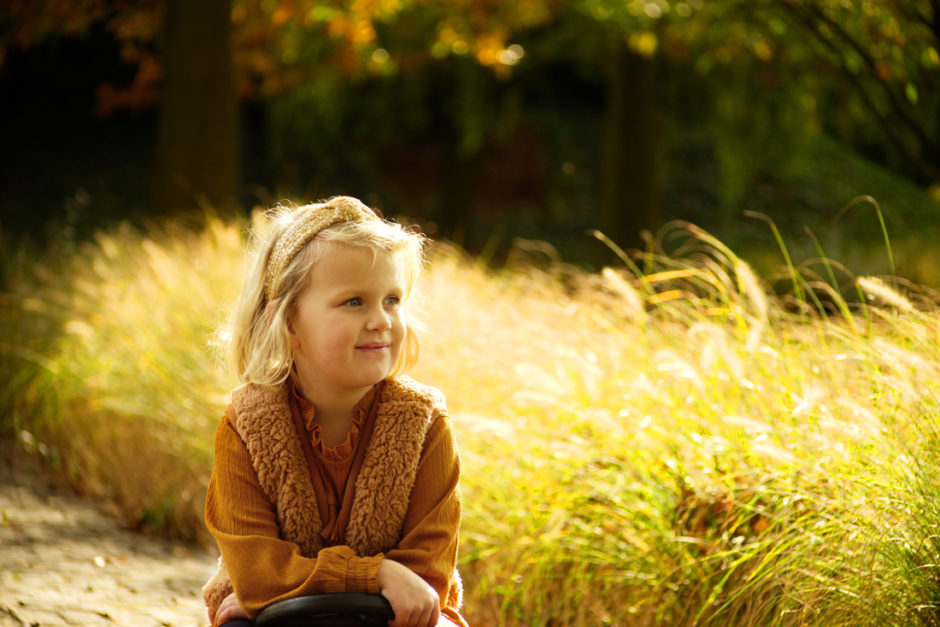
63 561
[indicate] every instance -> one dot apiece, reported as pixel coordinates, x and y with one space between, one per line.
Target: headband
307 222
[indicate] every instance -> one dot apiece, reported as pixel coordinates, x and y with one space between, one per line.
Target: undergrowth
672 441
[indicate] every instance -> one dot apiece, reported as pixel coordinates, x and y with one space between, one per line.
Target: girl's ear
289 318
291 334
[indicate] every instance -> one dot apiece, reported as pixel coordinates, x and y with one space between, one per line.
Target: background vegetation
664 442
484 121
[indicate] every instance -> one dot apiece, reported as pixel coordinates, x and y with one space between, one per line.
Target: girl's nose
379 320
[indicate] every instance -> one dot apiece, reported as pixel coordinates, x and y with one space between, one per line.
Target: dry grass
663 443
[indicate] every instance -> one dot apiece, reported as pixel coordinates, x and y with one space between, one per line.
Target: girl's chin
371 376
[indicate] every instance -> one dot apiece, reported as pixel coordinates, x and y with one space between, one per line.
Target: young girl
333 472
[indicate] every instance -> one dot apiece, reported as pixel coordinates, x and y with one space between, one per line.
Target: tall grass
123 387
662 443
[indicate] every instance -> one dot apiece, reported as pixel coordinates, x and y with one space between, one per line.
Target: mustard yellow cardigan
262 507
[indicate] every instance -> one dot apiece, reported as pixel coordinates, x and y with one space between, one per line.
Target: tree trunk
197 150
630 194
465 86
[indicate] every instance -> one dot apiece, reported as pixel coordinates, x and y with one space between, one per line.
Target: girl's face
348 326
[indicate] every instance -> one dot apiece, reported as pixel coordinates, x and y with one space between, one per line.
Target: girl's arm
428 546
264 568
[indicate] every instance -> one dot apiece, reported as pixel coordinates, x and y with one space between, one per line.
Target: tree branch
933 23
912 14
924 168
898 103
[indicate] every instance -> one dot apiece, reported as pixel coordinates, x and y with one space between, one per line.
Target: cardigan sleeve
264 568
430 533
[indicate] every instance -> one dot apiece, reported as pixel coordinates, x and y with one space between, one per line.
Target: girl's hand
228 610
413 600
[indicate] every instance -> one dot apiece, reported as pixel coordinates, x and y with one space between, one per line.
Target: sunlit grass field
673 441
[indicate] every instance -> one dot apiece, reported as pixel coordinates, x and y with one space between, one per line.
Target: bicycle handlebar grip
306 610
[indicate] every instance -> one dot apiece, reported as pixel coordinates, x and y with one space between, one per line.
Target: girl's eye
354 302
392 301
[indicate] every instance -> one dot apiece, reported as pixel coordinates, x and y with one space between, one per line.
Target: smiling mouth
375 346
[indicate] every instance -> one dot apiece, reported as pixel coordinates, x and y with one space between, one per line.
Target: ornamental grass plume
877 290
665 443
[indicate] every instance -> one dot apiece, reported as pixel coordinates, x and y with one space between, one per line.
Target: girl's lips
372 346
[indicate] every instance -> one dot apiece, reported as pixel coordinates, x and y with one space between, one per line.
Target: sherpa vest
383 487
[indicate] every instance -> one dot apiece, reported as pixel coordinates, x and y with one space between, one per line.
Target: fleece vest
383 487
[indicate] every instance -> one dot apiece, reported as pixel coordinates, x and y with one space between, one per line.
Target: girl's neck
332 407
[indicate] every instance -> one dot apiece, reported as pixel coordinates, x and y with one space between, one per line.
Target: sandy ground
63 561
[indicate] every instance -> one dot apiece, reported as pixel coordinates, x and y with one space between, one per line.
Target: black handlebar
327 610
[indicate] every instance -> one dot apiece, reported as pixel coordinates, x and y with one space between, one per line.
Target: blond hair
259 348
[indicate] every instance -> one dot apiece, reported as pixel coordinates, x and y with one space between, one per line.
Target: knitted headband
309 221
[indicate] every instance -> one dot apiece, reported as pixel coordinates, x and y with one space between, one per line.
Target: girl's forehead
342 263
350 254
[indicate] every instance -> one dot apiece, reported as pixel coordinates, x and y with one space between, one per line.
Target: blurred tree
628 46
886 53
24 23
197 151
326 54
183 58
867 71
630 193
